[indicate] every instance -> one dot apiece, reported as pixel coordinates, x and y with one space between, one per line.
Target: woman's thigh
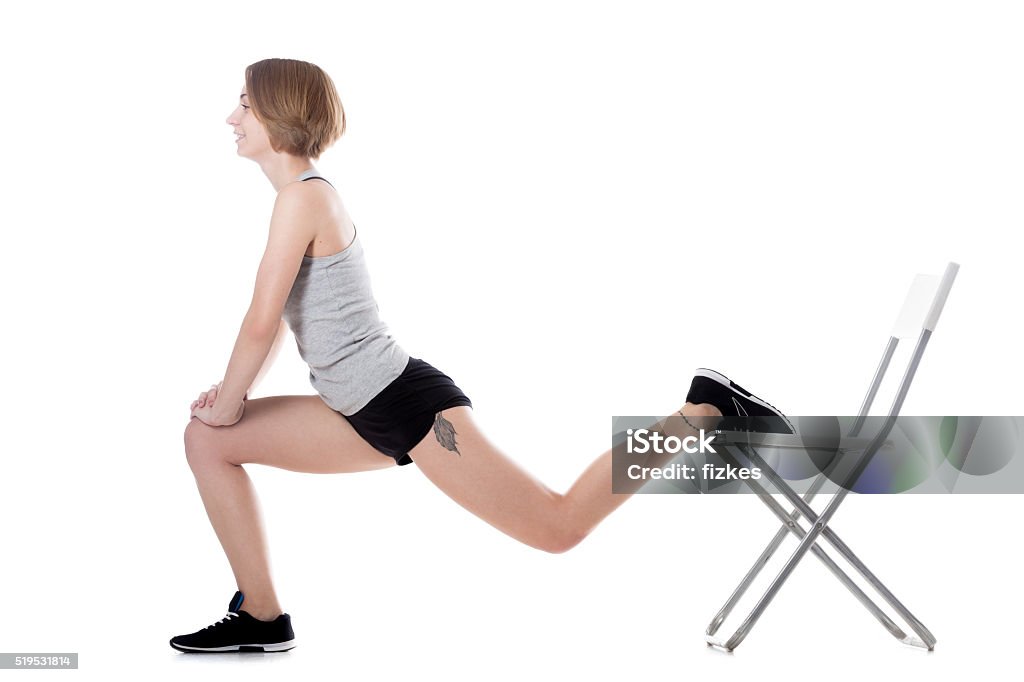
293 432
460 460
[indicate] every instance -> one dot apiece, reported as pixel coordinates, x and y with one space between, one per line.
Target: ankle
700 410
702 416
267 615
261 606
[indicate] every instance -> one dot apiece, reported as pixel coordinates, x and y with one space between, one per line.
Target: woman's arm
292 228
275 349
248 356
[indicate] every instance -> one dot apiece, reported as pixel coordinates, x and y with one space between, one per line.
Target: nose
232 118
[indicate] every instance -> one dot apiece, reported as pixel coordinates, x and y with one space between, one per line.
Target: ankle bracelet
680 413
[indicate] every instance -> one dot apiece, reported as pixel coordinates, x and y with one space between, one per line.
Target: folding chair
918 317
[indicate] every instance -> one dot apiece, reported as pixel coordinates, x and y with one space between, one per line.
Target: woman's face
250 136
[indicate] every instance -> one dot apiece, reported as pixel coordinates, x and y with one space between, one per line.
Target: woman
376 406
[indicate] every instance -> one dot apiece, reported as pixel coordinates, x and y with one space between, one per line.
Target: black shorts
402 414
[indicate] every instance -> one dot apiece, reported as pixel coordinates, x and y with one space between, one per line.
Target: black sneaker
239 631
741 409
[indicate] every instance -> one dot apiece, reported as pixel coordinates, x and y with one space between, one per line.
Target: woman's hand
206 397
218 415
207 411
209 397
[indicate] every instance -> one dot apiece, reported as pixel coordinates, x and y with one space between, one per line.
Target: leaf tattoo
445 433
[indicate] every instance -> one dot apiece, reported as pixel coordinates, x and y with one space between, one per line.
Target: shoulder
298 195
306 200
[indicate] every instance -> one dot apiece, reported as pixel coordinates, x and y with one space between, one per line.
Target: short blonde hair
297 103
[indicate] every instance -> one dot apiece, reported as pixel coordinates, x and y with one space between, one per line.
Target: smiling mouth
238 136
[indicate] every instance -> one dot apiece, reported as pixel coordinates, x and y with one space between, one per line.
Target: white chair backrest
924 303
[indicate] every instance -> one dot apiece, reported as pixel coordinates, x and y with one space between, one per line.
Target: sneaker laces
229 616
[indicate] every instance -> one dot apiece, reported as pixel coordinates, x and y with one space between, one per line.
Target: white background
567 207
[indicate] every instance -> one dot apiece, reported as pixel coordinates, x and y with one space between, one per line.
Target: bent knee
200 447
567 533
561 542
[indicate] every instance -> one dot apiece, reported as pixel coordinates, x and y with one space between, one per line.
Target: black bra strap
321 177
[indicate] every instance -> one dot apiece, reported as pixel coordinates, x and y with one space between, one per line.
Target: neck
281 169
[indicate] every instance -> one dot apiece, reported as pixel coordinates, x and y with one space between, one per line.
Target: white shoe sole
277 646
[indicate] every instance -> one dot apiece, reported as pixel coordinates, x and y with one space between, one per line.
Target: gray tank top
333 315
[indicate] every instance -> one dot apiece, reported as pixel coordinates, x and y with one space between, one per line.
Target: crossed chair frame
918 317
